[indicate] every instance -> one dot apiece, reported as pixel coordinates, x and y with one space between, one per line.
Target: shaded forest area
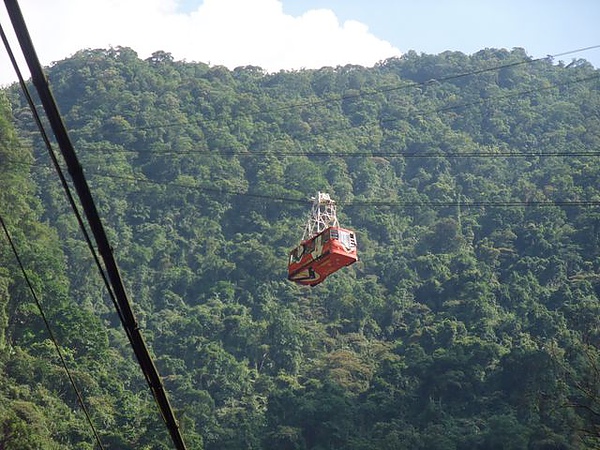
471 320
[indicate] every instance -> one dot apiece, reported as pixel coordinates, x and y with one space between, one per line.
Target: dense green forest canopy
471 320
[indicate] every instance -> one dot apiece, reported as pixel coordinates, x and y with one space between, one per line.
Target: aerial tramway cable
79 220
369 203
383 121
129 321
57 166
383 90
417 113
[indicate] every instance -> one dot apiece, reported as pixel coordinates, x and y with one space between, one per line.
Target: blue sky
296 34
542 27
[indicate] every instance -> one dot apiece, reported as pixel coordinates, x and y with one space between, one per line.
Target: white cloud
227 32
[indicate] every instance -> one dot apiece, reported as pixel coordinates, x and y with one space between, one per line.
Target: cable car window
346 239
296 255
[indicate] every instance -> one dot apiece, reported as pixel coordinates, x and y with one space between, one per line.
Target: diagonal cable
51 333
82 189
57 167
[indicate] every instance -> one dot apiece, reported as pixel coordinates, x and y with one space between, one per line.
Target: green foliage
470 321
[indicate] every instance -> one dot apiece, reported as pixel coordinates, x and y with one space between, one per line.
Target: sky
296 34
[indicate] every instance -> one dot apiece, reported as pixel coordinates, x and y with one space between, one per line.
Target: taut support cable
89 207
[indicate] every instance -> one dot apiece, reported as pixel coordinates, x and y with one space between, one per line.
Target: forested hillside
471 320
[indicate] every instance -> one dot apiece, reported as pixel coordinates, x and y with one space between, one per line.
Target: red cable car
329 248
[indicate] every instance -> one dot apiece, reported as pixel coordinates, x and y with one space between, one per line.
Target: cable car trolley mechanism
325 246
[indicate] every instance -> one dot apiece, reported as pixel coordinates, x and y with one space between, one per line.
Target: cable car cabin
318 257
